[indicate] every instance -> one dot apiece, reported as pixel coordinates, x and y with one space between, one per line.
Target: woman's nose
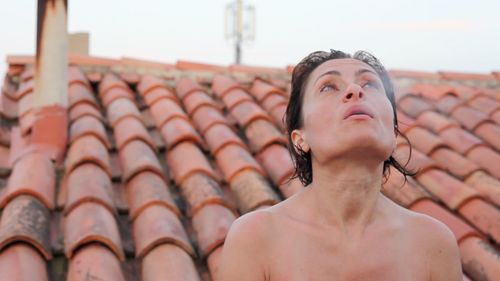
353 92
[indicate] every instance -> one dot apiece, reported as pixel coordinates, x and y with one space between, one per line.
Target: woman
342 130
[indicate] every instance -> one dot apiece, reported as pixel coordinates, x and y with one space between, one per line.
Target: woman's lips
358 112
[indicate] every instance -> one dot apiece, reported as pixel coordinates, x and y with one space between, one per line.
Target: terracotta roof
162 158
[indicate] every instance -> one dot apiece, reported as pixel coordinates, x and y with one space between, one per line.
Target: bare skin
341 227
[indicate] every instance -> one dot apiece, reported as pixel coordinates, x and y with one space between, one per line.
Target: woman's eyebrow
331 72
335 72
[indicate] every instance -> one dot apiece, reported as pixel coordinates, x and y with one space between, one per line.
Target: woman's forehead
341 65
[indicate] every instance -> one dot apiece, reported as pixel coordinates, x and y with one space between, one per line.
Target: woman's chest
313 260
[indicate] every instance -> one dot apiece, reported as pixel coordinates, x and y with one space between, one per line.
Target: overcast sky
427 35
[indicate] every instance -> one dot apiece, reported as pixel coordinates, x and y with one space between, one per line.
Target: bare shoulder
255 227
439 244
244 250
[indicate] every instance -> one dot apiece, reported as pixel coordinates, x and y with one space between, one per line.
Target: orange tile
490 133
401 192
88 126
448 103
196 66
136 63
84 109
88 183
120 109
235 97
157 225
87 149
26 122
479 259
252 191
277 162
25 104
148 83
247 112
33 174
485 185
156 94
200 190
91 222
157 139
206 116
233 159
78 93
177 130
278 115
495 116
25 219
261 90
164 110
211 225
50 131
94 77
78 59
186 159
459 139
222 84
433 92
131 129
28 73
110 81
24 89
460 229
273 100
467 92
116 168
220 135
214 263
468 117
130 77
197 99
484 104
15 70
484 157
406 122
114 94
21 262
94 262
149 122
9 107
482 215
418 162
256 69
186 86
168 262
448 189
413 105
4 159
262 133
435 122
450 75
424 140
147 189
458 165
136 157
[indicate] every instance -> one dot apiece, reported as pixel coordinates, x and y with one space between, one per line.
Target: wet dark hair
302 160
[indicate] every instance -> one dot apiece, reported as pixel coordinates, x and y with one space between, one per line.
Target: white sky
427 35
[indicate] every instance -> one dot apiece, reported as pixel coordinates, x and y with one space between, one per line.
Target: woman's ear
299 139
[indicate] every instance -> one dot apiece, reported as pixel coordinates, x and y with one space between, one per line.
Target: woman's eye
328 87
371 84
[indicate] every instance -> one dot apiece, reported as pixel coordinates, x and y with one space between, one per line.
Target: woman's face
346 113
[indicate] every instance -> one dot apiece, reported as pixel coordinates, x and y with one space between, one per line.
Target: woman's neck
345 195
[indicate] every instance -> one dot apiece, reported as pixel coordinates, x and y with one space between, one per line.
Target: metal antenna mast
239 25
